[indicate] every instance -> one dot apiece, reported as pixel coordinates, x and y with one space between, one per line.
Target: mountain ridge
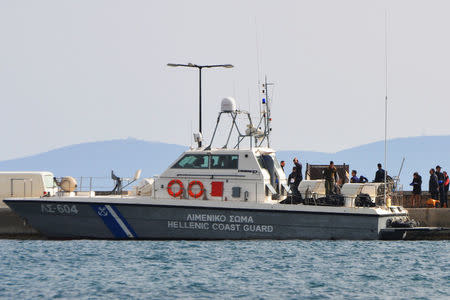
125 156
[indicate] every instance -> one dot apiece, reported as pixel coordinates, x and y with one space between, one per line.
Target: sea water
86 269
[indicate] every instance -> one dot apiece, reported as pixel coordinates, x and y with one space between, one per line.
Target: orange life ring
169 188
199 183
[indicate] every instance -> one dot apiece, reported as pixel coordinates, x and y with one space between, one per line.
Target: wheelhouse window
193 161
267 159
224 161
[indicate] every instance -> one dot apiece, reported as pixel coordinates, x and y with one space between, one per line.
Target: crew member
354 178
292 183
298 167
331 177
298 177
282 164
291 178
380 174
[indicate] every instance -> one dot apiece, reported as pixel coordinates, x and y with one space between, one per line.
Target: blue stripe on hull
124 221
109 221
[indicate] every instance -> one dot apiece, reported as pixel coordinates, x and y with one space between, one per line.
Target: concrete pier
406 200
431 217
12 226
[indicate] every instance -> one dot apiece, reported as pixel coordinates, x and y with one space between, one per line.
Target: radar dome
68 184
228 104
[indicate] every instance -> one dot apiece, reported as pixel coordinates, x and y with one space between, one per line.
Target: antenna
401 168
265 113
268 111
386 99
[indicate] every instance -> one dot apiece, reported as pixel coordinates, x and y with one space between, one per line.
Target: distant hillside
97 159
126 156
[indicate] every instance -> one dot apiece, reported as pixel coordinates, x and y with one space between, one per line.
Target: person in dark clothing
440 178
363 179
380 174
298 167
296 178
293 185
354 179
291 178
446 186
417 189
433 185
331 177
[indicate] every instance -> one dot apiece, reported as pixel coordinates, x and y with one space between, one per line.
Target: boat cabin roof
217 159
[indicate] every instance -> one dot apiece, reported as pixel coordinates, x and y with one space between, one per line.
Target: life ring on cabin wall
200 184
169 188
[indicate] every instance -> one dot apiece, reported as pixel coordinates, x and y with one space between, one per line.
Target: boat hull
110 220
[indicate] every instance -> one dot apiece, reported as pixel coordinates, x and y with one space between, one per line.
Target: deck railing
99 185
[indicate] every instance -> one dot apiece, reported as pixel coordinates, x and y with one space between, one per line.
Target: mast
385 102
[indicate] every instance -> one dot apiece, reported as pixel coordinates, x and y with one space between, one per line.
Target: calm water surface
224 269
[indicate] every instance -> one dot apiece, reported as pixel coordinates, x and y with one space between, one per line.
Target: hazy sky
78 71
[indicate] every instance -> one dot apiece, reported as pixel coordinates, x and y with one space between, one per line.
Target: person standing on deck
417 189
331 177
433 185
380 174
298 167
440 178
282 164
291 181
296 178
446 186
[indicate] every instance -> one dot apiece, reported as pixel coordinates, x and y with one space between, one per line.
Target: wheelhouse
224 174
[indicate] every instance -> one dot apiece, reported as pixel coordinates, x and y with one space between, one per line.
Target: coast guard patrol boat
231 192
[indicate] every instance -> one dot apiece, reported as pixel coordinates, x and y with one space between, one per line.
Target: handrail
93 183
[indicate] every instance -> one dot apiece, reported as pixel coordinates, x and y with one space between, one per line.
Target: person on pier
446 186
433 185
417 189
